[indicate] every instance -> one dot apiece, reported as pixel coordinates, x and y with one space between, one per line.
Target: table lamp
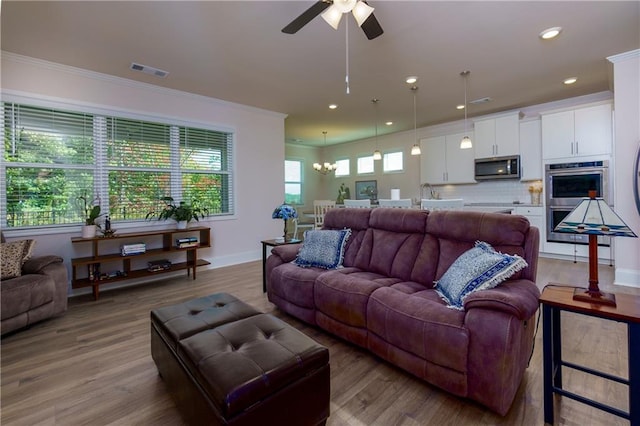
284 211
594 217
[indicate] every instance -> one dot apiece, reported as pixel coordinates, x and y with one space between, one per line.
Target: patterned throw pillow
323 248
14 254
479 268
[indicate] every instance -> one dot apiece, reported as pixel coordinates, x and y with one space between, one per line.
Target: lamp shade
284 211
594 216
361 12
466 143
415 150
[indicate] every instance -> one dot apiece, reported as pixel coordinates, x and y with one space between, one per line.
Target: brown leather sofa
383 299
40 292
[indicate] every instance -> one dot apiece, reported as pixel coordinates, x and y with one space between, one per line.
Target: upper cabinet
530 150
497 136
443 162
577 133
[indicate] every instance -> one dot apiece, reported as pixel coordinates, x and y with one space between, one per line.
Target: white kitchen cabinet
530 150
577 133
535 215
443 162
497 137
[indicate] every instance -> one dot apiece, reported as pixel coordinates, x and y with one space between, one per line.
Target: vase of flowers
285 212
182 212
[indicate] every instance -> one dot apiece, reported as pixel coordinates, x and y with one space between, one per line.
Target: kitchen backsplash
495 191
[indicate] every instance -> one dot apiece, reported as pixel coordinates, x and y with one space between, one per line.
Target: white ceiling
235 51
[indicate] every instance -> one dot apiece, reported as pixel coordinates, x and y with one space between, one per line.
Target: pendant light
326 167
415 149
376 154
465 143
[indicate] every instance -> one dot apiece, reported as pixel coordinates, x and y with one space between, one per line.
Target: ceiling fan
332 11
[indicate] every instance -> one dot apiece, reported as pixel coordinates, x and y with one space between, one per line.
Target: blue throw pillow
323 248
476 269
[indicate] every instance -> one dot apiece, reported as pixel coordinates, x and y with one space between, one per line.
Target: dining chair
450 204
358 204
403 203
297 226
320 207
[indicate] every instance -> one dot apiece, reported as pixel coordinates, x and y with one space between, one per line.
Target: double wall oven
566 184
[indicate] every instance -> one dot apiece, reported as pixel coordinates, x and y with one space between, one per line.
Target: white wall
626 76
259 148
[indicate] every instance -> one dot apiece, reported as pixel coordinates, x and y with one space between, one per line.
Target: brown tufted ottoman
226 363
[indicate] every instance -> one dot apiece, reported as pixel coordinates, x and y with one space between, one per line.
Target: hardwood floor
93 366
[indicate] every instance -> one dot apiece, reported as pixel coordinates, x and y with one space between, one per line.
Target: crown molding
621 57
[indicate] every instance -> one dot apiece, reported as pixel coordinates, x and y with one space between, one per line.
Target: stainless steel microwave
498 168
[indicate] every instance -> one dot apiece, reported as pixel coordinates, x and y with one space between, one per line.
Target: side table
556 298
271 243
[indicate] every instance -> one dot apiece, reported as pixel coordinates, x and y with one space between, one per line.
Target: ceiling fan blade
371 27
306 17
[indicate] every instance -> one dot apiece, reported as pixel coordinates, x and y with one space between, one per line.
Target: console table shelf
167 236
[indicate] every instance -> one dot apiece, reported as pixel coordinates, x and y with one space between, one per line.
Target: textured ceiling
235 51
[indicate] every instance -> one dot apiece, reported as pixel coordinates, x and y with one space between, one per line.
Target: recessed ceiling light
460 106
333 106
570 80
411 79
389 123
550 33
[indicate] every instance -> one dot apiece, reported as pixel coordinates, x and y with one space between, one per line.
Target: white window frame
368 158
301 182
100 182
386 159
347 166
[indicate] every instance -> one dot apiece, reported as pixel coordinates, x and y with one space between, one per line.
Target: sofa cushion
13 255
26 293
323 248
480 267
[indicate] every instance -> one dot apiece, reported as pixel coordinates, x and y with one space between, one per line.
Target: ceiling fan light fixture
361 12
332 16
344 6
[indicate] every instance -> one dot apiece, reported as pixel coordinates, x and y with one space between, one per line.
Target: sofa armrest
35 265
516 297
287 252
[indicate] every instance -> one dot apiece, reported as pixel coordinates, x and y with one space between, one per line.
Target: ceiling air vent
148 70
481 100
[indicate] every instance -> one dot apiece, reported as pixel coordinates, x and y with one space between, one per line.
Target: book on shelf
158 265
186 242
134 248
187 245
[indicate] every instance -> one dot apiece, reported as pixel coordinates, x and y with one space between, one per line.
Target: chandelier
325 167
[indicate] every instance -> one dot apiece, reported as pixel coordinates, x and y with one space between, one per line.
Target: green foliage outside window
49 162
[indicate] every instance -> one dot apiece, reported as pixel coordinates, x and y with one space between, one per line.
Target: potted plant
91 212
182 212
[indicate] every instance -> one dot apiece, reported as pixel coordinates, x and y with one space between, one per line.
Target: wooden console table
556 298
168 246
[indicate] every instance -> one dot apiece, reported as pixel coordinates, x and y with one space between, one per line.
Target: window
52 157
365 165
393 161
293 181
342 167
